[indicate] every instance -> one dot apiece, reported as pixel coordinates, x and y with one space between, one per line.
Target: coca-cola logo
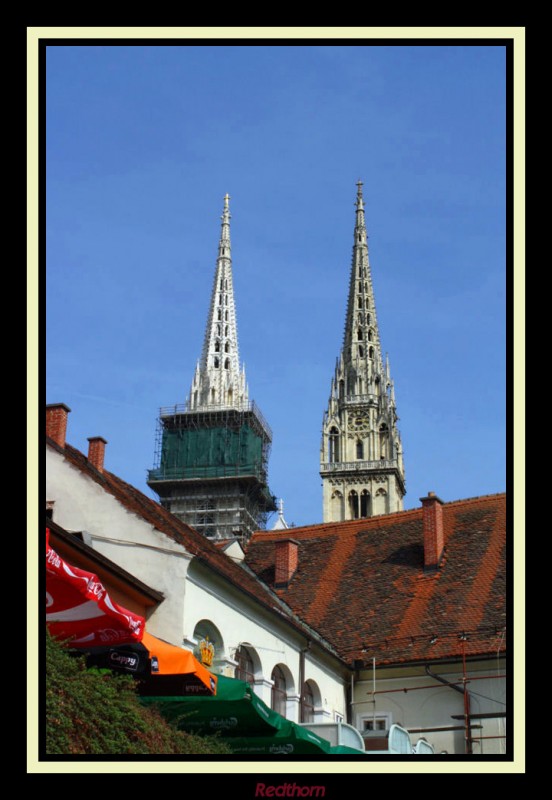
108 635
53 558
95 588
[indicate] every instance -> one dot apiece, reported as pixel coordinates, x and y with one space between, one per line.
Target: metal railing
184 408
357 466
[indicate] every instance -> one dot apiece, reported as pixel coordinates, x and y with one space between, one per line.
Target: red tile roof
363 584
194 543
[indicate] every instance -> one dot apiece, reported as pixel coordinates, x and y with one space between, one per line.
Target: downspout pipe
302 678
464 692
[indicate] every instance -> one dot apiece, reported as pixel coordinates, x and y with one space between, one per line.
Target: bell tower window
333 445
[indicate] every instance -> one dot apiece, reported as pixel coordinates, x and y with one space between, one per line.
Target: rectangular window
380 723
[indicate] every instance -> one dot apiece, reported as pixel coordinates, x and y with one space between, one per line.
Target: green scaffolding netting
211 452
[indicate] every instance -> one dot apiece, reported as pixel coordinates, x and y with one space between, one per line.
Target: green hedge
94 712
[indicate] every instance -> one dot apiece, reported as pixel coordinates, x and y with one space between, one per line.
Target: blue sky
142 144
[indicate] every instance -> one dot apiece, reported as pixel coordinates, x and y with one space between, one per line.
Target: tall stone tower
212 453
361 461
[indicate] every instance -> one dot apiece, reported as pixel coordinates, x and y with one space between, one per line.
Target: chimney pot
96 451
434 534
286 561
56 422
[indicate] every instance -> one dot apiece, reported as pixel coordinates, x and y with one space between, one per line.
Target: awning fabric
235 711
173 668
291 739
79 609
244 722
162 668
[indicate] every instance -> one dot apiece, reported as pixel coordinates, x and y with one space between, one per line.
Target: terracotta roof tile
362 583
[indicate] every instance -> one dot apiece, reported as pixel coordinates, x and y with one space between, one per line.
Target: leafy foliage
94 712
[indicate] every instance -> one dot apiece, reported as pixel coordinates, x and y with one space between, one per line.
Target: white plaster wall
123 537
192 594
434 707
241 622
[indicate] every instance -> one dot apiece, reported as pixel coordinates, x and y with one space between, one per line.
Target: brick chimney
56 422
434 535
96 451
286 561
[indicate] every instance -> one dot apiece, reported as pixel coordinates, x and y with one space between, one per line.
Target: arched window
227 363
219 314
217 346
333 445
353 504
384 440
226 330
359 449
209 645
364 504
307 702
367 315
216 363
220 299
227 347
369 336
279 692
361 351
226 316
371 352
359 301
245 670
359 334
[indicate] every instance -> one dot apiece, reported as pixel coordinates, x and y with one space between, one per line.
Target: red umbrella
79 609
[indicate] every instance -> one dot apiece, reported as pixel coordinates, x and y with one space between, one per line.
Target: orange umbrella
169 660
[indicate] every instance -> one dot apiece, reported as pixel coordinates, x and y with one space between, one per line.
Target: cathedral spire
361 454
218 380
361 340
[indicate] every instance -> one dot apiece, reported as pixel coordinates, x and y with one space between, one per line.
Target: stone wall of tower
361 461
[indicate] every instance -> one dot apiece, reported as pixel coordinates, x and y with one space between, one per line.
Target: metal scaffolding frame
223 495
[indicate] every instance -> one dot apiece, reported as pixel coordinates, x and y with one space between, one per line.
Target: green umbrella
234 711
291 739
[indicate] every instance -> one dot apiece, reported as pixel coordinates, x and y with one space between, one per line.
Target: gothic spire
361 455
361 343
218 380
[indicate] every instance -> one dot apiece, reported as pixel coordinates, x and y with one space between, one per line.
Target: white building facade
206 592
